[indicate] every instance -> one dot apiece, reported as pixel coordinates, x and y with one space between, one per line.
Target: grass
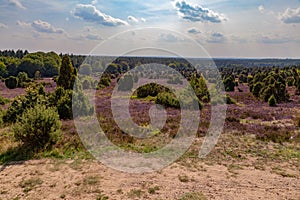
192 196
152 190
30 184
91 180
183 178
135 193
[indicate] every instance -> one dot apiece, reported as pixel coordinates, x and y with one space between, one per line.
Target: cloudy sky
224 28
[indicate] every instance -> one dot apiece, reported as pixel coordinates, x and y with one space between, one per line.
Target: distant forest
47 64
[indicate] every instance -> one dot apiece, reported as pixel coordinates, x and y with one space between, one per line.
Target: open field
242 166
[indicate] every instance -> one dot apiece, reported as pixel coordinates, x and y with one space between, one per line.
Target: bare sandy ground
87 179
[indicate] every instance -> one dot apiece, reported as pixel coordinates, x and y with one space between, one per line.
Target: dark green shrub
151 89
65 99
167 99
37 126
188 101
11 82
290 81
200 88
257 88
104 81
229 84
64 105
272 101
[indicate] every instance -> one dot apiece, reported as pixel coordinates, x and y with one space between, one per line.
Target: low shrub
272 101
11 82
37 126
230 100
104 81
151 89
275 135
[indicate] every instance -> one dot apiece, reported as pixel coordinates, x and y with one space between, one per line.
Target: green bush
104 81
229 84
34 94
168 99
22 79
11 82
151 89
38 126
3 100
63 100
272 101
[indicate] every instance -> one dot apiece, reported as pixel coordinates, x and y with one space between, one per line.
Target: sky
222 28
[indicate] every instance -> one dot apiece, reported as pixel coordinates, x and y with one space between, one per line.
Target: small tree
229 84
22 79
67 73
37 126
272 101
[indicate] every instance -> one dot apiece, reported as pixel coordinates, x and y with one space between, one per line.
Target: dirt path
69 179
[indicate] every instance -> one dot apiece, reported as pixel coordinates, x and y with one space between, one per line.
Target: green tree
257 88
3 70
67 74
272 101
229 84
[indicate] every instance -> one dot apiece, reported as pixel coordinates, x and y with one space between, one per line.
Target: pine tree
67 73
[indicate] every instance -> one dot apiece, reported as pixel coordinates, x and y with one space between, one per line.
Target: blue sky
224 28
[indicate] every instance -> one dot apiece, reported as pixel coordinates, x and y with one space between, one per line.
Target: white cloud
290 16
16 3
3 26
91 36
132 19
261 8
143 19
216 37
272 39
94 2
194 30
41 27
168 37
196 13
23 24
45 27
90 13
